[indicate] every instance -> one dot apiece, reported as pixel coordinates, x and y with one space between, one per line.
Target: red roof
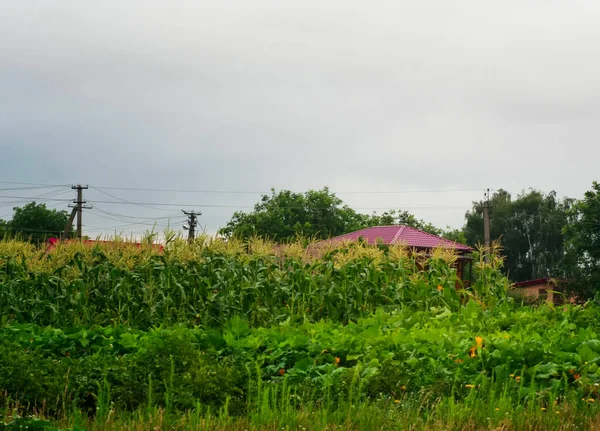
404 235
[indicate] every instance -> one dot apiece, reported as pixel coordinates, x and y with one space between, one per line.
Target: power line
160 190
29 198
157 224
34 184
112 218
252 206
267 192
137 217
132 222
127 201
19 229
24 188
39 197
131 225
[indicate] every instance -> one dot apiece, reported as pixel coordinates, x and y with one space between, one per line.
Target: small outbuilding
541 289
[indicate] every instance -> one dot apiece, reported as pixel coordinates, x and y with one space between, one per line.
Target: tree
283 215
456 235
3 228
36 222
529 229
582 244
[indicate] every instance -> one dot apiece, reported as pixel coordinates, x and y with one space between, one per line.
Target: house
541 289
414 239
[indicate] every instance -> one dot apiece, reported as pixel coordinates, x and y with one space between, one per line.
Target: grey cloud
251 95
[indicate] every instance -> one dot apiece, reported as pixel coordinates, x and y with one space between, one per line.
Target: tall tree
529 229
283 215
582 244
36 222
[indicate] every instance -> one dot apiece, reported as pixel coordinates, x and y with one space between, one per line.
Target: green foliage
56 369
241 330
456 235
530 355
319 214
529 229
35 222
582 234
4 228
82 285
284 215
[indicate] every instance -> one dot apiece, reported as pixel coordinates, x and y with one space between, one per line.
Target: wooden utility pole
192 223
486 226
67 232
80 204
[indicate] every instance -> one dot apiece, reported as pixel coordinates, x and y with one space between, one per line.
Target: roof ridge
345 234
402 227
446 240
385 225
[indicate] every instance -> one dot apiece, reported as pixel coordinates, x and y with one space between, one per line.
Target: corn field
211 281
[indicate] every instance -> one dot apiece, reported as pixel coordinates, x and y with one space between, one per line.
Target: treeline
317 214
541 234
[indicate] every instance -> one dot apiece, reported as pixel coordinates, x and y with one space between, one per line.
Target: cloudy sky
435 99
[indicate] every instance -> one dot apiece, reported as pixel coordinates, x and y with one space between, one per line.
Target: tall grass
276 409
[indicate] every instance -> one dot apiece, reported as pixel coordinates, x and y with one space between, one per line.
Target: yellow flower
512 375
440 288
479 341
557 412
591 400
469 386
518 378
497 409
397 401
337 360
472 353
543 409
403 387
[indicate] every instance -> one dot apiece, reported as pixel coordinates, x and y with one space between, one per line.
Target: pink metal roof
405 235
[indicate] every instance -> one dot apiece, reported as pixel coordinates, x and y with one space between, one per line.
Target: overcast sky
251 94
